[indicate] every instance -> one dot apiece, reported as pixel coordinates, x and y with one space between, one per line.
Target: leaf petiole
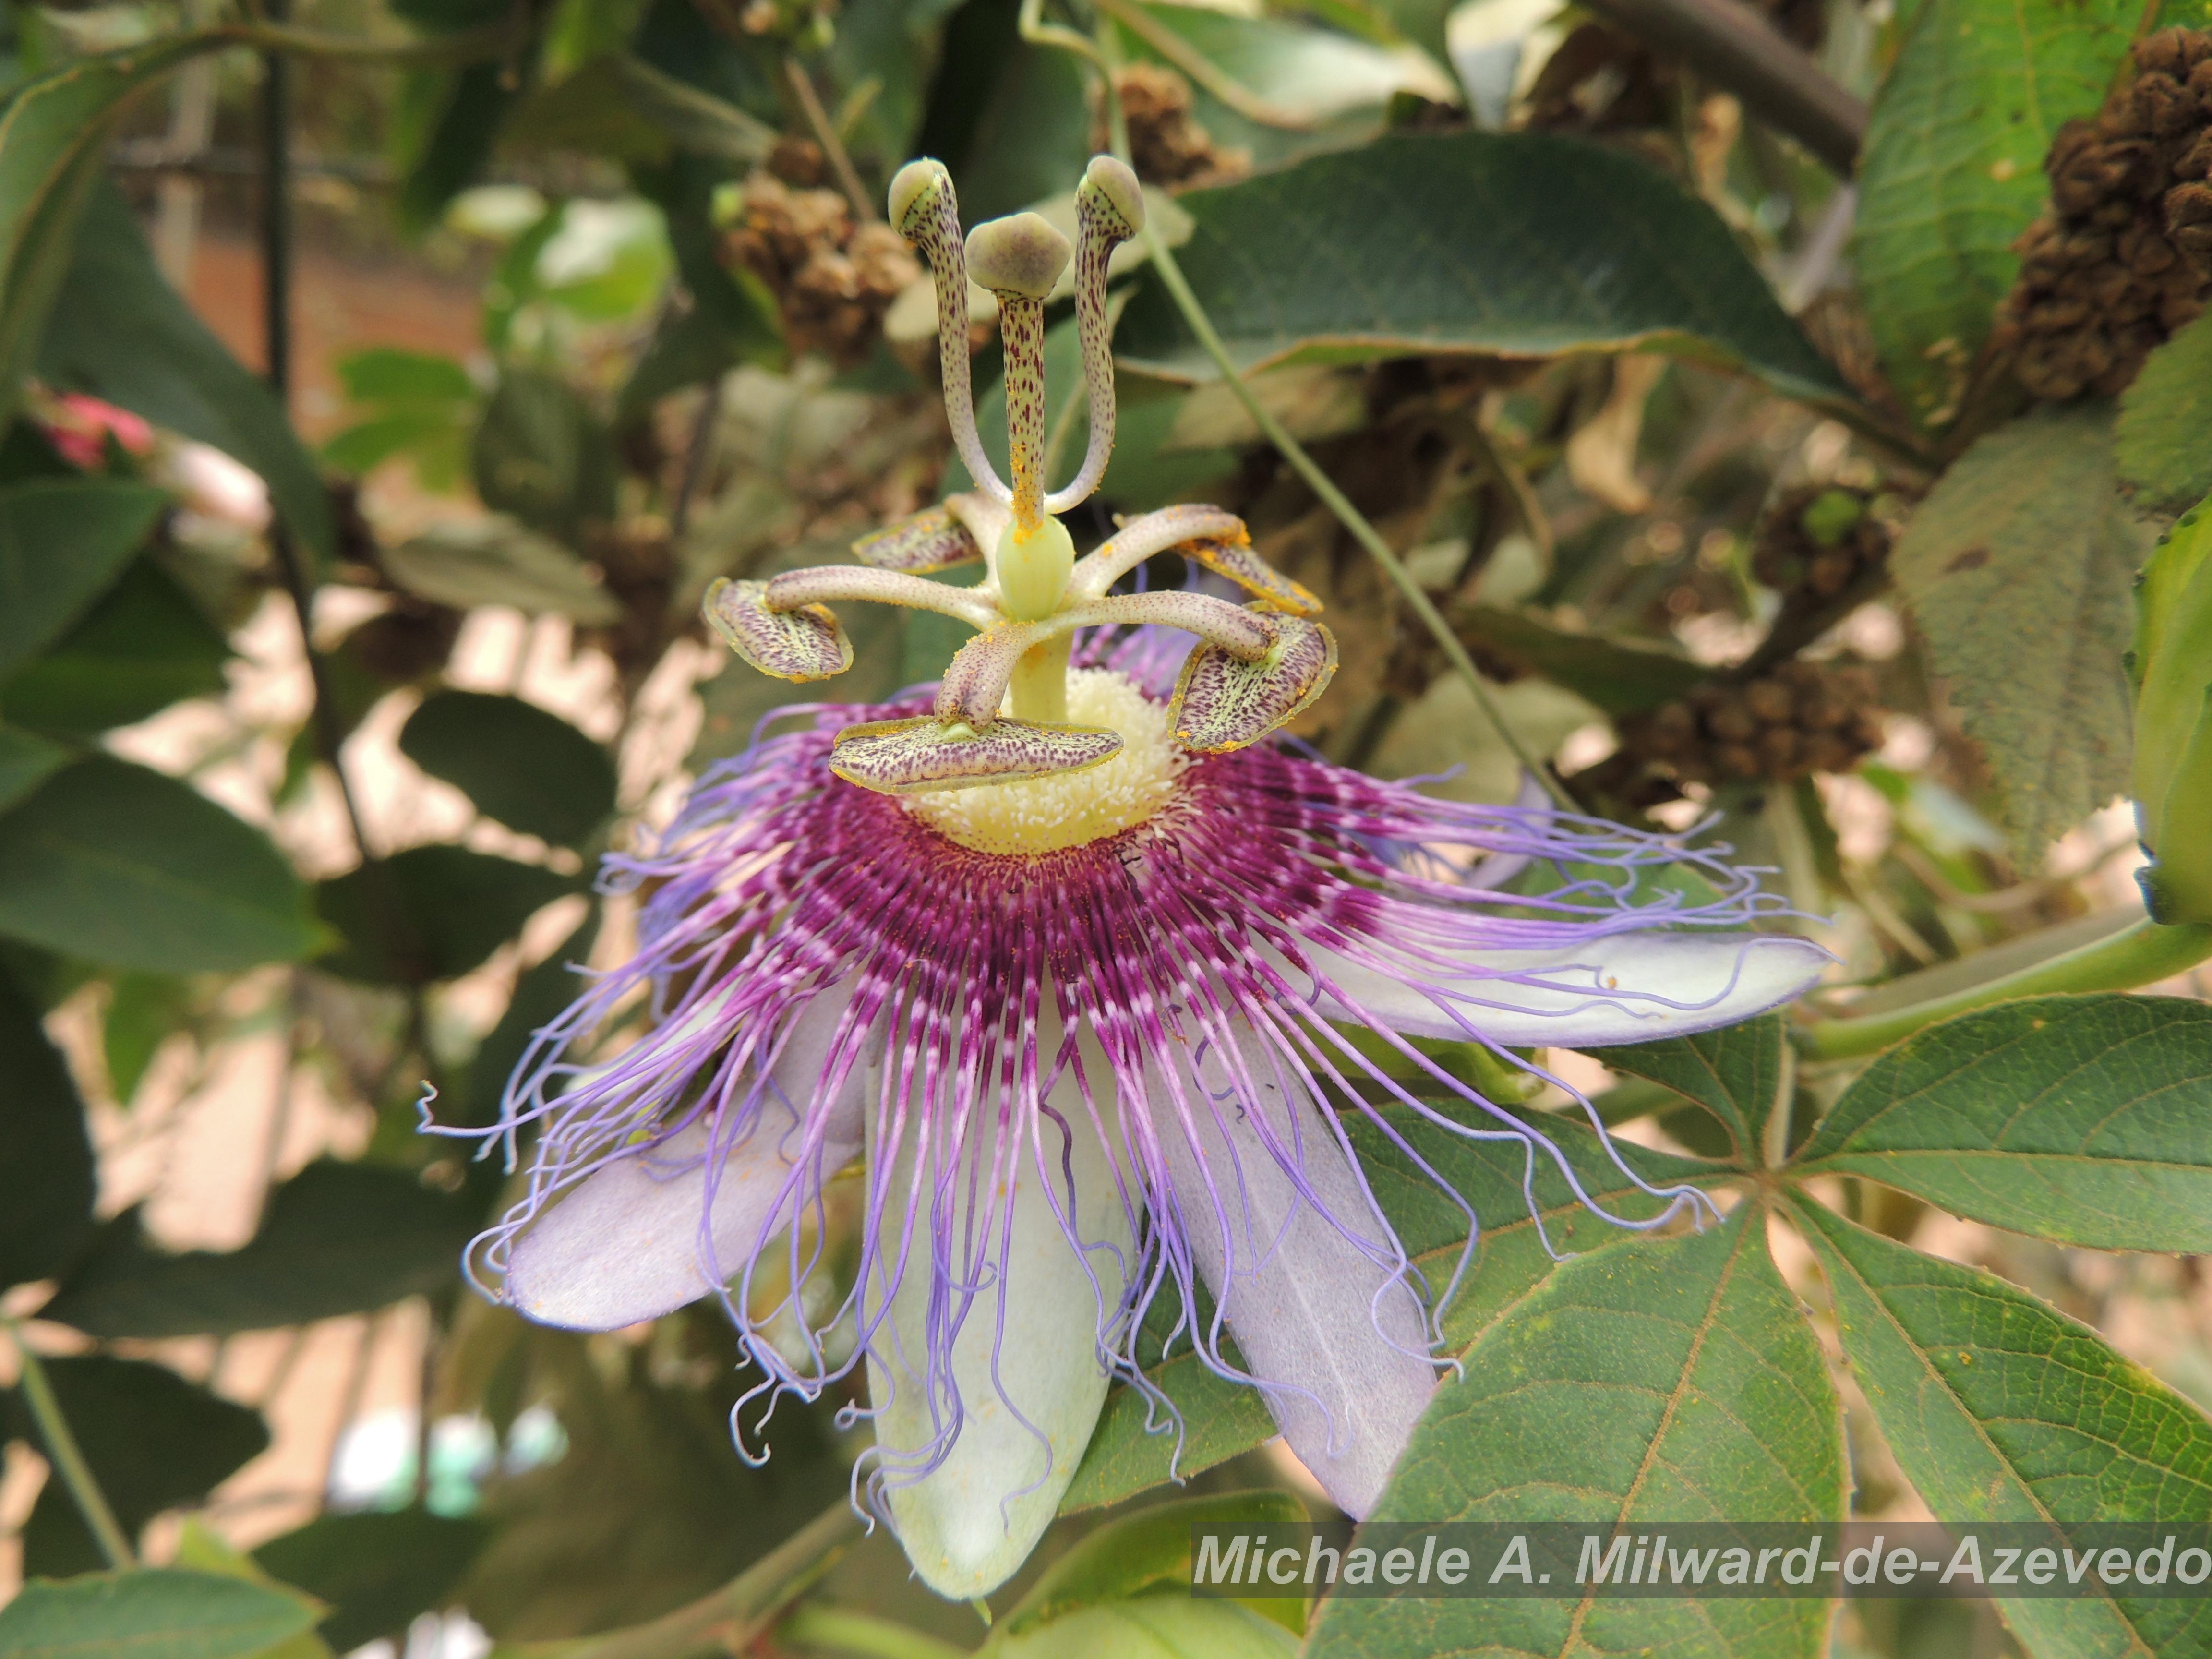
59 1442
2135 955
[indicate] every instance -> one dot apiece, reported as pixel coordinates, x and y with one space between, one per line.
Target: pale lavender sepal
624 1243
1598 992
1332 1328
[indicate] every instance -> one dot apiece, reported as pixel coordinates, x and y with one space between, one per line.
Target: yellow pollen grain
1046 815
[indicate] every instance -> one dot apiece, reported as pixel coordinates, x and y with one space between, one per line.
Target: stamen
897 758
1243 634
977 679
795 589
933 539
1109 209
925 211
1222 704
1018 260
802 644
1137 541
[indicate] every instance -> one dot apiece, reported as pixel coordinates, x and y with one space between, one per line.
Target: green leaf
1473 242
1136 1446
622 106
1666 1380
143 646
153 1441
498 562
1952 172
121 332
431 913
688 348
1138 1554
2019 567
2076 1118
2165 422
1223 1418
388 374
337 1238
529 769
156 1614
62 543
456 117
200 1548
1618 678
143 1010
376 1569
111 863
541 455
47 1178
1153 1627
2000 1408
1737 1073
52 130
26 761
649 1509
435 440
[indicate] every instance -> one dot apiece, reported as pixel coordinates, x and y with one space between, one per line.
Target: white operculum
625 1243
1601 989
1334 1324
1028 1397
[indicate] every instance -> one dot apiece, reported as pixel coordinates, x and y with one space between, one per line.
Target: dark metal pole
276 346
277 211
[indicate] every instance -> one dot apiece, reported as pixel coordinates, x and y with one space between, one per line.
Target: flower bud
1022 254
2171 667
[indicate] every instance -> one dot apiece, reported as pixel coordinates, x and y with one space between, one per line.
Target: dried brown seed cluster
834 280
1818 541
2122 256
1168 146
1803 717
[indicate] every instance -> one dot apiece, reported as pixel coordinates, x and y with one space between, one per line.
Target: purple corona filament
1074 1070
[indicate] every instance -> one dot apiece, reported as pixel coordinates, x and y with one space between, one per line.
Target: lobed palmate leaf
803 644
897 758
1222 704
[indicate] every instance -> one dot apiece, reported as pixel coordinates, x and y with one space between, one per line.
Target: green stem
729 1619
1306 467
842 1631
2139 955
67 1457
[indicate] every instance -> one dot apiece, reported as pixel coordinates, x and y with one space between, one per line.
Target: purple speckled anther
1085 1023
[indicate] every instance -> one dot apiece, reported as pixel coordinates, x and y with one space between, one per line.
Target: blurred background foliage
386 380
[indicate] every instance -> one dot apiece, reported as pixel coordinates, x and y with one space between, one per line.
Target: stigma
1052 813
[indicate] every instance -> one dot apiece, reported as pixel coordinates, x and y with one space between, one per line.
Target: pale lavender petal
1271 1206
1498 868
624 1244
1598 991
1025 1376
